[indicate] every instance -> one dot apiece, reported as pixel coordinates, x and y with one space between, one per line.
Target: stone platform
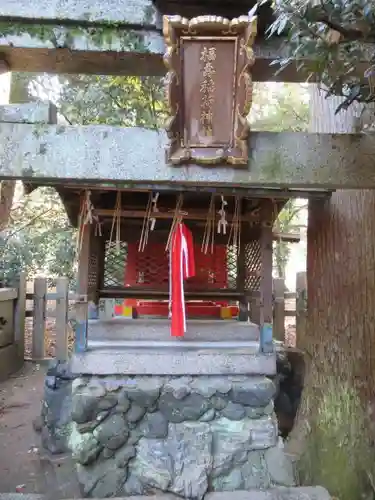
145 347
150 414
187 435
307 493
175 360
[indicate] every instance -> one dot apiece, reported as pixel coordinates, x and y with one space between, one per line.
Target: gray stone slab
33 112
128 155
108 12
10 361
21 496
302 493
8 294
124 329
297 493
159 361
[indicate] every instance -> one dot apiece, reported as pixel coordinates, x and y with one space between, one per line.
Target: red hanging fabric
181 266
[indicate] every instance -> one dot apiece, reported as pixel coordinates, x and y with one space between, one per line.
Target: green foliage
39 238
280 106
329 40
339 454
111 100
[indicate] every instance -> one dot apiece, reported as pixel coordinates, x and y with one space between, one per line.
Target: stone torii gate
125 38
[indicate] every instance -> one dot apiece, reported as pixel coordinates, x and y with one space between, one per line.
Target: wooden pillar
96 266
279 309
39 319
243 303
301 308
62 291
266 241
80 323
255 309
20 315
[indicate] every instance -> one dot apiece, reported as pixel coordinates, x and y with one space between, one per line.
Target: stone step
181 360
125 329
302 493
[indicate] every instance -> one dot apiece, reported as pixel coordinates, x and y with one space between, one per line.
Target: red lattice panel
151 268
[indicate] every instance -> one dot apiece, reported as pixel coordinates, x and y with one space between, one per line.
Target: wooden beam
191 214
195 215
287 237
144 293
248 192
117 50
120 157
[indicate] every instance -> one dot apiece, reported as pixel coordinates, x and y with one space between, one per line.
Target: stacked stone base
139 435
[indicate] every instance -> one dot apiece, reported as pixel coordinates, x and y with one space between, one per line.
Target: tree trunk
7 189
341 268
12 89
341 287
340 324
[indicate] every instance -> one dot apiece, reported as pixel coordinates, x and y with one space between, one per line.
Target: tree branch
349 34
31 221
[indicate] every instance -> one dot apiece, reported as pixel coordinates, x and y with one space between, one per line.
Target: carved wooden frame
219 28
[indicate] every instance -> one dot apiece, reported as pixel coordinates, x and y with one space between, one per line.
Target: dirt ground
20 398
24 466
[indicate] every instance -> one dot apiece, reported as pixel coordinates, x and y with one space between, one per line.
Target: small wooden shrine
124 243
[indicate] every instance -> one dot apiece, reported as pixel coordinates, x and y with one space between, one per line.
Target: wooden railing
42 304
60 305
282 306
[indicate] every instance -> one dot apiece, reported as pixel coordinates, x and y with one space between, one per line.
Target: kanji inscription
209 89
